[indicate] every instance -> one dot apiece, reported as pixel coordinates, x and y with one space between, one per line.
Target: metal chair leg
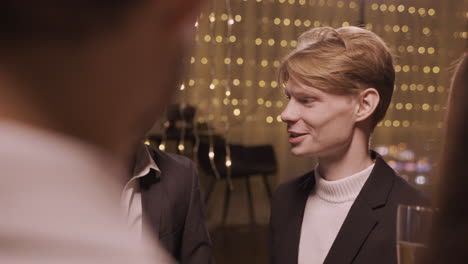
210 190
250 201
267 186
227 198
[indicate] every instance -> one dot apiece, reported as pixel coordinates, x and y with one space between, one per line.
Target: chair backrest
246 160
262 158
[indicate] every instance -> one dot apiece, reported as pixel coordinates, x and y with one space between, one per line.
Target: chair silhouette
247 161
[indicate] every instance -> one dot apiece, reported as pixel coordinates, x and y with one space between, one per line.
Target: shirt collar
144 162
342 190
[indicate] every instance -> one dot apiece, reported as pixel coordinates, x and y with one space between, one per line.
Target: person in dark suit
339 83
164 195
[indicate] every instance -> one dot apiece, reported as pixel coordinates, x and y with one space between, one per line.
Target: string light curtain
427 37
239 45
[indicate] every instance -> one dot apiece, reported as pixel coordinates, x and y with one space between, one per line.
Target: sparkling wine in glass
413 227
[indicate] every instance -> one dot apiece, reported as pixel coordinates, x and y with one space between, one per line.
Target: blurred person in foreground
78 82
339 83
163 193
449 241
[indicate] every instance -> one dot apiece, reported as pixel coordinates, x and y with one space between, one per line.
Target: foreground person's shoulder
409 193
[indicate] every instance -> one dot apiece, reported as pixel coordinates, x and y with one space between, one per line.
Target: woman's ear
368 100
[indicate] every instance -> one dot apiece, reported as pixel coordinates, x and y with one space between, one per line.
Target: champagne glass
413 228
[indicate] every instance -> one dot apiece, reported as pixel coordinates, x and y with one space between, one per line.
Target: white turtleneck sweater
326 209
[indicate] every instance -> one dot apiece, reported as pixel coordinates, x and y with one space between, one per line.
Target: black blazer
368 234
173 208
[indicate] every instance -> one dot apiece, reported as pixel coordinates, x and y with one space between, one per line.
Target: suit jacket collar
152 191
145 160
361 219
296 209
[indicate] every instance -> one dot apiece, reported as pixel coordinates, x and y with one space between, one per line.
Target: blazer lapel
362 217
358 225
293 234
151 197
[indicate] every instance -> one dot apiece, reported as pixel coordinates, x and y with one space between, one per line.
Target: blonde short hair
342 61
